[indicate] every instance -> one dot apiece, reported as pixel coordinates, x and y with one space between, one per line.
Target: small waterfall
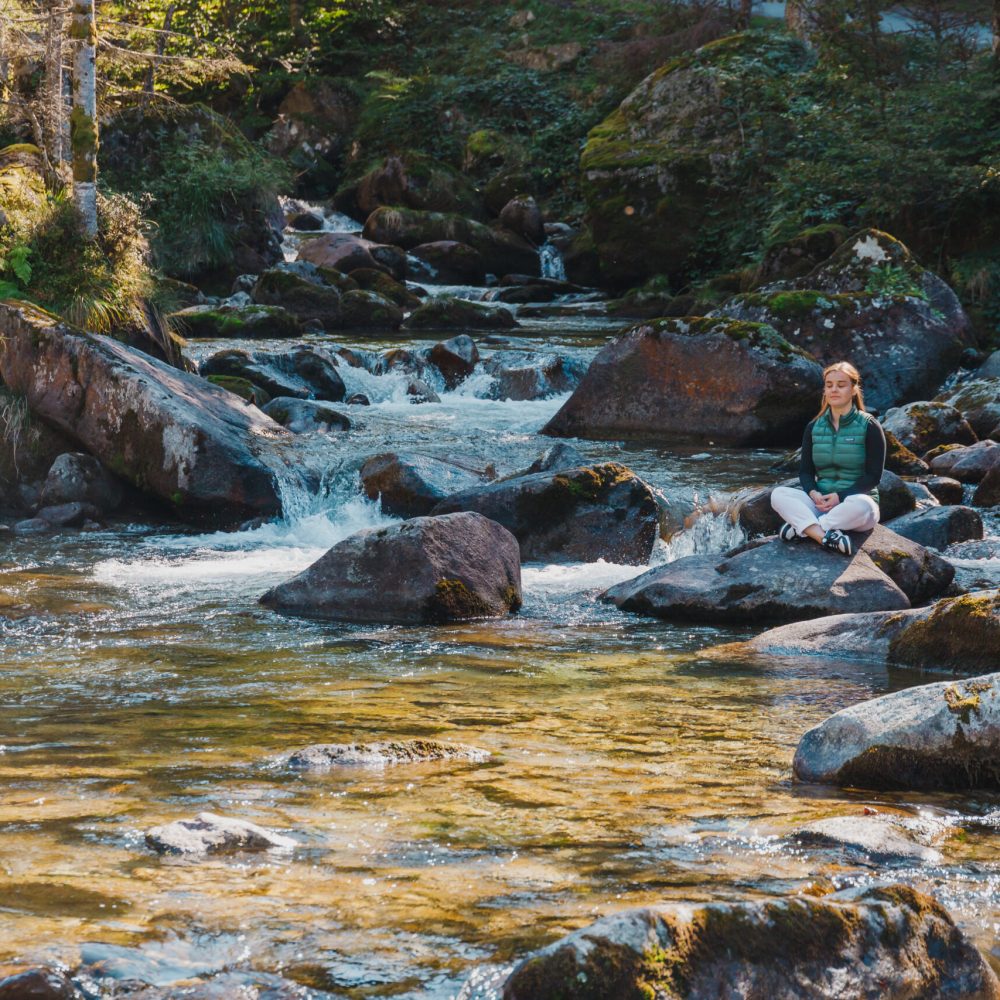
552 262
710 532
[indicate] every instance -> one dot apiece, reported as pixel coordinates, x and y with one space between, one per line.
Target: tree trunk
161 44
295 20
996 31
83 120
746 11
55 105
795 19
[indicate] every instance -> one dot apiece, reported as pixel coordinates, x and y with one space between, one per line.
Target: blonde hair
854 375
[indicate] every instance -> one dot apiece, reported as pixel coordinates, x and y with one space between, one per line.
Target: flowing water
143 683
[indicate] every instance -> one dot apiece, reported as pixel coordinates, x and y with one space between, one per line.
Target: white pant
858 512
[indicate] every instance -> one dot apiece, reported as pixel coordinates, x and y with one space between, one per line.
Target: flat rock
934 737
429 569
171 434
771 580
879 838
208 833
381 754
683 380
886 941
579 515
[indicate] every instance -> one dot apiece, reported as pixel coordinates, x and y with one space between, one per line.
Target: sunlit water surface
143 683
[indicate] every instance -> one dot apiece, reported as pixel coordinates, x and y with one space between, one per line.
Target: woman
843 455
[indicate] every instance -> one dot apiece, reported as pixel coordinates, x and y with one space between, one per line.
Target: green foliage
887 279
14 262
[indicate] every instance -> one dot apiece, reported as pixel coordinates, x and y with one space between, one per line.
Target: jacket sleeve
807 468
874 461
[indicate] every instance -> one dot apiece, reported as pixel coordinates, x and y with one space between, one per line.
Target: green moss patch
960 634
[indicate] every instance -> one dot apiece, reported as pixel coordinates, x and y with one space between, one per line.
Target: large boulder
447 313
345 252
579 515
935 737
959 634
502 251
252 322
924 425
886 941
306 299
969 464
771 580
659 168
411 485
939 527
429 569
452 262
304 372
979 403
171 434
682 380
902 325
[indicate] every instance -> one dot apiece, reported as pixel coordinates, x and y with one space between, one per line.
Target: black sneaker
788 534
836 539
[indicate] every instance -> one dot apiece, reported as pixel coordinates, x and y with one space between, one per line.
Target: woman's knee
780 493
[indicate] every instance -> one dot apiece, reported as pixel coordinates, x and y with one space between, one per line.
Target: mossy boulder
899 458
657 169
448 313
691 380
410 180
503 252
304 372
800 255
577 515
305 299
924 425
888 941
254 322
428 569
363 310
978 401
241 387
453 262
871 303
371 280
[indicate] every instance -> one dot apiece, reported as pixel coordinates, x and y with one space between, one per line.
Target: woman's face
838 390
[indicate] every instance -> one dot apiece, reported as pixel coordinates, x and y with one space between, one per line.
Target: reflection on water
142 683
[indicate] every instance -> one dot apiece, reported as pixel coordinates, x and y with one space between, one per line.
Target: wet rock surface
304 372
429 569
409 485
381 754
450 313
303 415
881 839
582 514
887 941
680 380
208 833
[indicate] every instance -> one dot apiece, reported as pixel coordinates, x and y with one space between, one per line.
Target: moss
453 601
83 138
892 768
241 387
567 491
941 449
759 336
967 702
962 633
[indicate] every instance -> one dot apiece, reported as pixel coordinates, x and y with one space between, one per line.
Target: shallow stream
143 683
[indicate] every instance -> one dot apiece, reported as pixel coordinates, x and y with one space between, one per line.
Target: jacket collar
847 418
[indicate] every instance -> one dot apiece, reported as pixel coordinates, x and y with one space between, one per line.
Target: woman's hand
827 501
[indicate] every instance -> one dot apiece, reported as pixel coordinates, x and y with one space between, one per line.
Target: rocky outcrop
684 380
412 485
429 569
922 426
502 251
771 580
321 756
969 464
978 401
579 515
171 434
958 634
448 313
888 941
902 325
208 833
938 736
939 527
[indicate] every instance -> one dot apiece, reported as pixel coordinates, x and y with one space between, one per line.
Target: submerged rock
410 485
304 372
381 754
683 380
169 433
523 375
208 833
582 514
887 941
938 736
39 984
770 580
455 359
429 569
960 634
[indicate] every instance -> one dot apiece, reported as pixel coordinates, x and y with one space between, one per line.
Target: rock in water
39 984
411 485
381 754
429 569
887 941
775 581
171 434
937 736
580 515
76 478
940 527
882 839
211 834
682 380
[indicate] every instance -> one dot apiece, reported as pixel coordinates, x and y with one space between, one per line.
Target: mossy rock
962 634
337 279
457 314
241 387
361 310
899 458
800 255
380 283
238 323
305 300
656 170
